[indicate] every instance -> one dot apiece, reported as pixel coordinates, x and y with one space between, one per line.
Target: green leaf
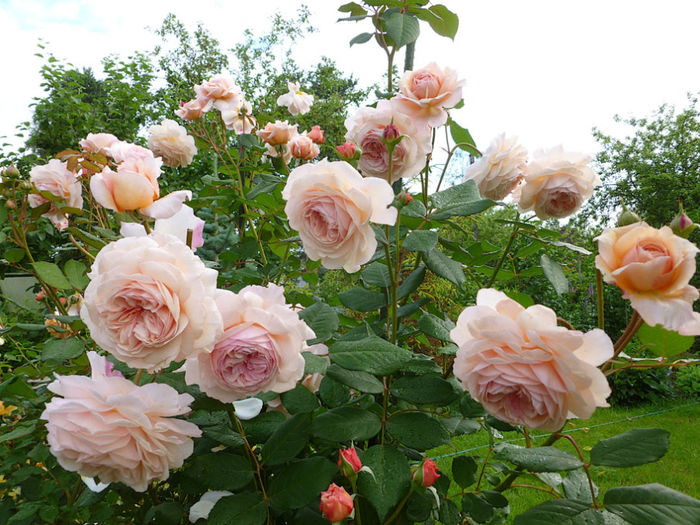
390 481
461 199
464 470
362 300
168 513
322 319
576 486
445 23
361 38
553 271
347 424
662 342
247 508
225 436
361 381
463 139
433 326
60 349
653 503
440 264
424 389
402 28
449 513
287 440
315 364
371 354
629 449
260 428
23 429
376 274
332 393
353 8
219 471
538 459
76 273
301 482
13 255
415 208
420 240
563 512
299 400
412 282
51 275
417 430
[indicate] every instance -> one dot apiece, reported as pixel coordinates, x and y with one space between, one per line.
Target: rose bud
391 132
682 225
41 295
346 150
10 205
336 503
12 171
316 134
627 217
426 474
348 462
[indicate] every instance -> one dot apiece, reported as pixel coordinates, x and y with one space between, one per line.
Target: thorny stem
635 323
497 269
586 467
239 427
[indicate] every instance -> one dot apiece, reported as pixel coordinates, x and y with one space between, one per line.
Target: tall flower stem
239 427
600 299
513 235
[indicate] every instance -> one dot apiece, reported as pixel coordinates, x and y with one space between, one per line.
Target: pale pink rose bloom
523 368
106 426
316 134
193 109
277 133
133 186
296 101
171 142
150 301
239 117
498 172
180 223
98 142
55 178
313 381
424 93
556 183
366 129
259 351
652 267
331 205
122 151
302 147
221 89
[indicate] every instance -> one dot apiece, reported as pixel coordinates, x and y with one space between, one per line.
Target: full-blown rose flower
523 368
277 133
296 101
652 267
220 89
55 178
302 147
556 183
98 142
331 206
106 426
150 301
424 93
500 169
171 142
193 109
260 349
239 117
366 129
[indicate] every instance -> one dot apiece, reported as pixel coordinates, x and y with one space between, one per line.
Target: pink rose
366 128
121 151
277 133
346 150
523 368
60 182
239 117
302 147
171 142
336 503
194 109
150 301
556 183
316 134
498 172
222 90
349 462
259 351
106 426
424 93
331 205
427 473
652 267
98 142
296 101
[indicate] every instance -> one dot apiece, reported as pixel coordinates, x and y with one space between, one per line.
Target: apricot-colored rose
170 142
331 205
652 267
302 147
277 133
98 142
193 109
150 301
60 182
500 169
336 503
316 134
106 426
523 368
220 89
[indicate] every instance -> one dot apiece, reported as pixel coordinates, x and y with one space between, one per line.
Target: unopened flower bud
10 205
336 503
682 225
348 462
426 474
41 295
391 132
316 134
627 217
12 172
346 150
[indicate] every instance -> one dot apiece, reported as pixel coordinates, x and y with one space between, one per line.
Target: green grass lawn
679 469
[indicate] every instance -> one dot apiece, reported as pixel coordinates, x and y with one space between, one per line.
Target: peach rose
98 142
122 151
500 169
277 133
652 267
193 109
106 426
259 351
150 301
336 503
523 368
302 147
316 134
296 101
366 129
171 142
330 204
221 89
556 183
425 92
60 182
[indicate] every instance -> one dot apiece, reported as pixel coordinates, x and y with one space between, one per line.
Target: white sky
546 71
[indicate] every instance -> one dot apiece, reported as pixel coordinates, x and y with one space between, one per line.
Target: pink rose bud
10 205
391 132
682 225
316 134
336 503
346 150
62 300
12 171
426 474
40 295
348 462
